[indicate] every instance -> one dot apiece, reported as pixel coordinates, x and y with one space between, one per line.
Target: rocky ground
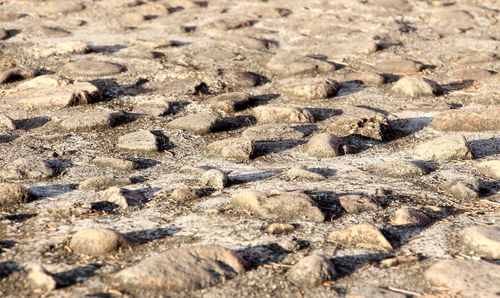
249 148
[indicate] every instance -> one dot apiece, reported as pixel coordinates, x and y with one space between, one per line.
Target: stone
474 74
367 78
473 119
230 102
59 7
200 124
138 52
470 278
312 89
362 235
154 107
415 87
142 140
118 164
484 241
445 148
374 127
97 119
12 195
234 148
490 168
303 173
120 3
184 194
467 191
282 114
87 67
10 16
98 242
132 18
287 206
366 47
312 271
122 197
242 79
354 203
324 145
67 48
399 66
269 12
186 268
31 168
7 122
227 24
16 74
4 34
288 64
214 178
400 169
103 182
371 291
52 31
272 132
280 228
53 91
39 278
405 216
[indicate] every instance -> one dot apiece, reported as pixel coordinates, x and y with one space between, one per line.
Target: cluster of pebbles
249 148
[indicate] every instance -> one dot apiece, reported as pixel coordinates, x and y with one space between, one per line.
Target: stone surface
214 178
242 79
303 173
98 119
375 127
362 235
312 271
415 87
118 164
476 119
7 122
201 124
67 48
286 63
55 7
312 89
280 228
103 182
473 74
463 190
490 168
122 197
39 278
234 148
97 242
11 195
184 194
179 269
20 169
230 102
273 132
451 147
355 203
484 241
400 169
91 68
326 145
367 78
282 114
142 140
405 216
16 74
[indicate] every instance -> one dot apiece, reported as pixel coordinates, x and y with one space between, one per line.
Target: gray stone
230 102
96 119
27 169
415 87
312 271
312 89
214 178
474 74
452 147
490 168
303 173
286 63
115 163
143 140
282 114
103 182
201 124
399 66
272 132
355 203
367 78
122 197
475 119
92 68
362 235
326 145
154 107
234 148
400 169
465 191
484 241
98 242
374 127
182 269
12 195
67 48
405 216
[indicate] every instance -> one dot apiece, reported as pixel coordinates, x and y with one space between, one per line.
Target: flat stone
53 91
96 242
400 5
399 66
400 169
200 124
118 164
355 203
476 119
12 195
490 168
287 206
39 278
242 79
286 63
362 235
16 74
326 145
303 173
470 278
182 269
234 148
31 168
272 132
7 122
142 140
103 182
122 197
474 74
269 12
66 48
367 78
184 194
445 148
280 228
230 102
312 271
92 68
95 119
137 52
59 7
120 3
282 114
374 127
132 18
405 216
154 107
312 89
484 241
52 31
415 87
214 178
467 191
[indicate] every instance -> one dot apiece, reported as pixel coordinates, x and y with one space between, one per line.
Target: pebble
484 241
41 279
200 124
230 102
103 182
272 132
7 122
97 242
27 168
214 178
234 148
96 119
53 91
416 87
324 145
282 114
400 169
312 271
66 48
56 7
373 127
118 164
312 89
286 63
399 66
490 168
182 269
405 216
303 173
52 31
16 74
287 206
367 78
143 140
280 228
242 79
465 191
184 194
87 67
470 278
473 119
12 195
122 197
445 148
355 203
362 235
155 107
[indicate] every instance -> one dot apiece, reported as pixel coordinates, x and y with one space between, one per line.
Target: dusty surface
186 53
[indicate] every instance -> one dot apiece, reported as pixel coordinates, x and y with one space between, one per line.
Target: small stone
312 271
464 191
7 122
4 34
103 182
242 79
474 74
98 119
59 7
143 140
399 66
484 241
490 168
269 12
312 89
366 47
27 169
230 102
362 235
303 173
16 74
227 24
214 178
122 197
12 195
119 3
52 31
405 216
182 269
454 147
374 127
137 52
67 48
470 278
475 57
272 132
367 78
371 291
132 18
280 228
184 194
326 145
286 63
92 68
10 16
39 278
282 114
358 203
234 148
97 242
199 123
155 107
475 119
400 169
115 163
416 86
